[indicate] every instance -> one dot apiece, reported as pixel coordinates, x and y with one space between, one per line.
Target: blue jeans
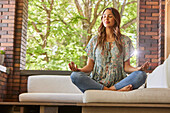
84 82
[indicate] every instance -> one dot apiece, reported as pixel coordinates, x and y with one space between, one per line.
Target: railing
44 72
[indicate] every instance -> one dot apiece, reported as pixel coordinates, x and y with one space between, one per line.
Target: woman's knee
141 75
75 76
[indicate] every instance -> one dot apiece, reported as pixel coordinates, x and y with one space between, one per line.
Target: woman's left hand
144 67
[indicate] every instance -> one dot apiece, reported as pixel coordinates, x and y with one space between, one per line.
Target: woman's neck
109 35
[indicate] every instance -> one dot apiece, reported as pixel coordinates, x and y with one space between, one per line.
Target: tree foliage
58 31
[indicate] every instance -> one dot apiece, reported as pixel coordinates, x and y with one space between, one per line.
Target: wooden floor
28 107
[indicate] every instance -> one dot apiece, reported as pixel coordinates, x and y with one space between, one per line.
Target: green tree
58 31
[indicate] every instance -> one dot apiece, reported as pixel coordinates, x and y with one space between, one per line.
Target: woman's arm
129 69
88 68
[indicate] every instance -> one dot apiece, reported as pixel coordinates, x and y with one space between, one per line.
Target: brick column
7 15
161 30
149 32
13 31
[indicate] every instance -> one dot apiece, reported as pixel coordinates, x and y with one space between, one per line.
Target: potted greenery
2 56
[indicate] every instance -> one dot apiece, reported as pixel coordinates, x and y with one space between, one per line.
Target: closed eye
110 16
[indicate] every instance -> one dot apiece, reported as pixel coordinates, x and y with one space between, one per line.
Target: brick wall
3 86
23 84
150 32
7 10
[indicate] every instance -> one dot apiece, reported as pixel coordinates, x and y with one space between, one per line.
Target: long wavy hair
116 31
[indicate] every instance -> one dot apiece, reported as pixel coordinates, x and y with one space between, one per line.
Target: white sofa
55 88
59 89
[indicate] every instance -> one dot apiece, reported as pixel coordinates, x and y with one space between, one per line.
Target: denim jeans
84 82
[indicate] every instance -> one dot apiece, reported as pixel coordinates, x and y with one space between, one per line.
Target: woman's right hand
73 67
145 66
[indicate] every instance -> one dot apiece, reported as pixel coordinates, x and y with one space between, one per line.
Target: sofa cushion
51 84
51 97
160 77
146 95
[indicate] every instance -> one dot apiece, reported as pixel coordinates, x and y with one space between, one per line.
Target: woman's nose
107 17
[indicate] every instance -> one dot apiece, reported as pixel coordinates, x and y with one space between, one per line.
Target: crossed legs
133 81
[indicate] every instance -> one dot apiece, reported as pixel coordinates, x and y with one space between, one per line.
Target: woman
109 56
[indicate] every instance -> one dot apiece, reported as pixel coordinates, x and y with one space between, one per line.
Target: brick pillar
21 33
19 46
161 30
13 31
149 32
7 14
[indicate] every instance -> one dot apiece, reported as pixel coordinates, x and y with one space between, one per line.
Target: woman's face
108 18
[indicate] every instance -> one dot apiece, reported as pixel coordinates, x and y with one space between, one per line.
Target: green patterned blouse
108 68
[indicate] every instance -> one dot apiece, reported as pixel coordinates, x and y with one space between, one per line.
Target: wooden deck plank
166 105
124 110
126 105
38 103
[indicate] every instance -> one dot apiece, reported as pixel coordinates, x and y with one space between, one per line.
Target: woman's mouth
107 22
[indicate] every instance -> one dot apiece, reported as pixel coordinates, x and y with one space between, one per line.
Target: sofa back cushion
51 84
160 77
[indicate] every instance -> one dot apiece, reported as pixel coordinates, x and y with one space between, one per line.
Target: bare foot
126 88
112 88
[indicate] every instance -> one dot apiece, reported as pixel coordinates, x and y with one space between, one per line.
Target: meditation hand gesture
73 67
145 66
